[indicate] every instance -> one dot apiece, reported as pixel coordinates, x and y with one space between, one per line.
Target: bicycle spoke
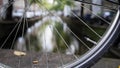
74 33
15 35
63 40
29 47
24 20
79 39
85 23
97 15
46 54
59 53
65 45
96 5
18 24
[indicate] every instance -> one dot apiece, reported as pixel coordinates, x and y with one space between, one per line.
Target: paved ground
107 63
33 60
7 57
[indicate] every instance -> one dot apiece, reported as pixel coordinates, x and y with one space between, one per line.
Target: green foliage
61 3
57 4
59 41
32 1
34 43
91 34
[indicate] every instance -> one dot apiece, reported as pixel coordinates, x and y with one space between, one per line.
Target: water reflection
48 35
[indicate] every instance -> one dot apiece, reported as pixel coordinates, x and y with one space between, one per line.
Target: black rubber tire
103 45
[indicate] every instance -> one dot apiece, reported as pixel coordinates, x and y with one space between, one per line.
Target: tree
54 5
61 3
9 10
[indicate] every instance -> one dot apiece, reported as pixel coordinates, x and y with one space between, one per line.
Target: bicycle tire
104 46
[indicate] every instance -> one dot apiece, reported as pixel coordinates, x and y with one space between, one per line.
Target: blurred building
19 4
1 1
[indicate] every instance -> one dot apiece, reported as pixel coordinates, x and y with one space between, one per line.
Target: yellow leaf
19 53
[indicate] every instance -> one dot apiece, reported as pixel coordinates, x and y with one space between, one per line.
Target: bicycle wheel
39 35
115 48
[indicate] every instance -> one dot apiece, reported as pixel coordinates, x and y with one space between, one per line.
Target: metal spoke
75 34
24 21
63 39
79 39
96 15
96 5
19 62
58 32
16 35
85 23
59 53
23 28
46 54
92 13
18 23
30 49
